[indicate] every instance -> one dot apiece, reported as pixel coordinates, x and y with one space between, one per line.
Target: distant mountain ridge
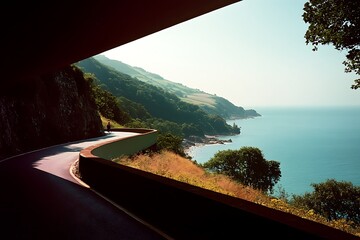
210 103
151 106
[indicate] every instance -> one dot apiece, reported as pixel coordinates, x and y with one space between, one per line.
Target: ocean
311 144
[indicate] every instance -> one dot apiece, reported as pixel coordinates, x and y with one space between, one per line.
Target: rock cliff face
51 109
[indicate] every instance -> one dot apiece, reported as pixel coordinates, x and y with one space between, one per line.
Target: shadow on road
35 204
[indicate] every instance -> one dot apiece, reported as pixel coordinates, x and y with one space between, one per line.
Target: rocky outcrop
196 140
49 110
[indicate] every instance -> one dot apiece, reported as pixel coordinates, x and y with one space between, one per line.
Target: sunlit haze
252 53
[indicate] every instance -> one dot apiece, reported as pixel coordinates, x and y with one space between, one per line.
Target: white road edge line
116 205
71 170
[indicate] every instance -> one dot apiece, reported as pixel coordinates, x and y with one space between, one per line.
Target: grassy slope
104 122
201 99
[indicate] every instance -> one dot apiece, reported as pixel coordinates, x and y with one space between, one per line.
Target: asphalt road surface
40 199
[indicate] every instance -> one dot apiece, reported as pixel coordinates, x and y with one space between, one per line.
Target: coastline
315 138
195 141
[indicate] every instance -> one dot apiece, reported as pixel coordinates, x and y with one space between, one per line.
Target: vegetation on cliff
212 104
153 107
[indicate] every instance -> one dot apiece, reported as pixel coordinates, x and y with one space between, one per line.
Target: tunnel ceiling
38 39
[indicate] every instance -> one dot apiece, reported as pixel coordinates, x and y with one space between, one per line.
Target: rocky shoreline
196 140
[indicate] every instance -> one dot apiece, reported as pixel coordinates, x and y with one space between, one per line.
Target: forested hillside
65 106
210 103
161 110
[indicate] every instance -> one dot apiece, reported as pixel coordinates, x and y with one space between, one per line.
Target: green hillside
210 103
153 106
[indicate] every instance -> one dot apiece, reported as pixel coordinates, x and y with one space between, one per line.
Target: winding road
40 199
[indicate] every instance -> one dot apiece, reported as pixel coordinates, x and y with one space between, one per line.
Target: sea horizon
312 143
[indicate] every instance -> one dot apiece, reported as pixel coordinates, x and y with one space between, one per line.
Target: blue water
311 144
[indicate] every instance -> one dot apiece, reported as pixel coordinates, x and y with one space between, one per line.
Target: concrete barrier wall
185 211
128 145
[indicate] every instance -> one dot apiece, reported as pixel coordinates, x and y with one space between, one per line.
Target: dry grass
173 166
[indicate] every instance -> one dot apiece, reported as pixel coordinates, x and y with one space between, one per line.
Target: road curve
41 200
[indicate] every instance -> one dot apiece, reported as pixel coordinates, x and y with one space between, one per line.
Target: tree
333 200
247 166
171 143
335 22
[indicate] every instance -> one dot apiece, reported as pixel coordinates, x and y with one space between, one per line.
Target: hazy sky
252 53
